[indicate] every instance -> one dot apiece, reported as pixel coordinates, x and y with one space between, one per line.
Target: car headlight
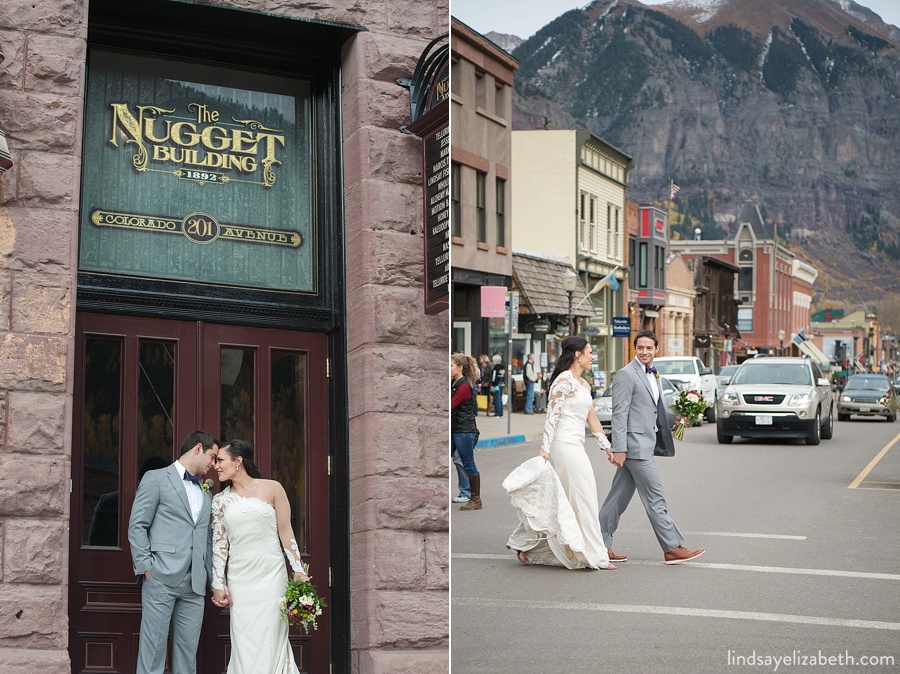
846 399
729 398
800 400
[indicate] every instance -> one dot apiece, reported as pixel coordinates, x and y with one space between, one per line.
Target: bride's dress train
557 504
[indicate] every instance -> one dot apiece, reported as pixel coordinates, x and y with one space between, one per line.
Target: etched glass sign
197 173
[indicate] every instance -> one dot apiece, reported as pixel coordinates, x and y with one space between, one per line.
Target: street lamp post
570 281
781 342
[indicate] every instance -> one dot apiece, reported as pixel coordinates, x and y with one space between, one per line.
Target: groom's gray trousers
159 601
640 474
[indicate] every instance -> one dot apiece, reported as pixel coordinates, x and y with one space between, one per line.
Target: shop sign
198 173
429 92
621 326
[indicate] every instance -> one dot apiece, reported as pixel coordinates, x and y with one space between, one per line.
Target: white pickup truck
689 372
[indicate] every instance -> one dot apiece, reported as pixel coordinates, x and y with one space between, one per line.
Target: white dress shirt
654 386
194 492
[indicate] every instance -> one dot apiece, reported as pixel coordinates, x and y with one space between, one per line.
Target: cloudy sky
525 17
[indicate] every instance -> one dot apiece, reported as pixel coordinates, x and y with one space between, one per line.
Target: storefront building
569 201
215 220
481 99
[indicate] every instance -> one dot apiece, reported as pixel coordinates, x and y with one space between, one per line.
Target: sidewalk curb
506 440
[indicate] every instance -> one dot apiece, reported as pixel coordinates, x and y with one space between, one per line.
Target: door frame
197 398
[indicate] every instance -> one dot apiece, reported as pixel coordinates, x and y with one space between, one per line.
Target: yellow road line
872 463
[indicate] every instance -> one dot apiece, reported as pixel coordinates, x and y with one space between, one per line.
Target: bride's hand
220 598
544 455
300 577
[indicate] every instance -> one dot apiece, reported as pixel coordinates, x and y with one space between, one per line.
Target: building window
746 255
609 239
745 319
500 92
592 225
582 217
745 279
642 265
631 260
480 215
616 239
455 215
501 207
480 90
659 269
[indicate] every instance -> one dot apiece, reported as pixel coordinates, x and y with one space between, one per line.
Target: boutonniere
656 374
206 484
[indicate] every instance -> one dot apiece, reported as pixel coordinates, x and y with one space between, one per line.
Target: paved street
797 565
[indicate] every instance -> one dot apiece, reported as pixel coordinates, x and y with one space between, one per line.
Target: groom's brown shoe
681 554
613 557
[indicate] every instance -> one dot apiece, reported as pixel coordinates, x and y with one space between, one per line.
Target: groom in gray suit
171 552
640 424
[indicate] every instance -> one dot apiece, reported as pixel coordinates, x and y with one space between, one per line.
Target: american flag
673 191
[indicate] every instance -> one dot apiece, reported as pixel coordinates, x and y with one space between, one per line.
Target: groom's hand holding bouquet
689 406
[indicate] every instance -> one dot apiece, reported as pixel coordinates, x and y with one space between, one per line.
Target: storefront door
141 385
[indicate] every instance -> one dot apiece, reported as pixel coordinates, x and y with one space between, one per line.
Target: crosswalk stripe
532 605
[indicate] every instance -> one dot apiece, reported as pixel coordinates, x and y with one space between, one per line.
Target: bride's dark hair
568 347
244 450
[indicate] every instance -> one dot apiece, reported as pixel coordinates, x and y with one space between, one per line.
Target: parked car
689 372
776 397
724 374
603 404
862 395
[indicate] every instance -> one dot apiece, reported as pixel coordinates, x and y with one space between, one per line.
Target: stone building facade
382 502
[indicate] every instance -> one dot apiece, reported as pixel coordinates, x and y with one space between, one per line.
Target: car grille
763 399
867 400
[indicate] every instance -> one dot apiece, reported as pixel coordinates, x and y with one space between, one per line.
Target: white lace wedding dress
549 529
248 558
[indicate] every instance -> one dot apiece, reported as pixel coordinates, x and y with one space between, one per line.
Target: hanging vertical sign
429 110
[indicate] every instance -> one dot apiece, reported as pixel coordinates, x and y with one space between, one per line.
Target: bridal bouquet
689 405
891 400
301 605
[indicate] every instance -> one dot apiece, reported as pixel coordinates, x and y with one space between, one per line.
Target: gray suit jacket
635 415
163 535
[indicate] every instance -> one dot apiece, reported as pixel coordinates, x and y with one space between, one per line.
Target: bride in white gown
561 526
251 522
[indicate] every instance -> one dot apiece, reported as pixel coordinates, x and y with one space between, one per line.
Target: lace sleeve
285 532
219 543
563 387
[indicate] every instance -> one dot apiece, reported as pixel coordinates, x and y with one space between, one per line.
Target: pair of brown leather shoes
681 554
613 557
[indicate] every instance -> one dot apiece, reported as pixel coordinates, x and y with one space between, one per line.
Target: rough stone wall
398 362
41 85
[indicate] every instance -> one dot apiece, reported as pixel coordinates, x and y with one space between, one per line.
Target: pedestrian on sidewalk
462 480
484 381
463 430
498 383
641 430
530 376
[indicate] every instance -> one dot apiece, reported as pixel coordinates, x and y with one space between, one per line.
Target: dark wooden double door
141 385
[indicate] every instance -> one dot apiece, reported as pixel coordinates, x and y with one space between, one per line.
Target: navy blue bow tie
192 478
650 369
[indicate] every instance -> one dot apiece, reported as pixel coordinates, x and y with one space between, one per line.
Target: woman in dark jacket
463 430
498 382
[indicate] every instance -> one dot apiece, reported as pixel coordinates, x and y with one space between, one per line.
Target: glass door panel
101 441
156 405
288 403
237 368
